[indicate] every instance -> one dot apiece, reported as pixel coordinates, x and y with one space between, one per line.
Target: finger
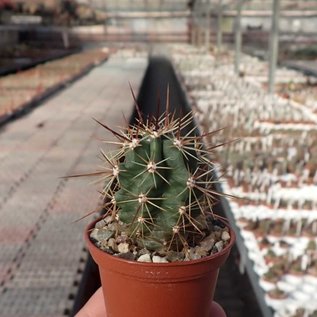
95 307
216 310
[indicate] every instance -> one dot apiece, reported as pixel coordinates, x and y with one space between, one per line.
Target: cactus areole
159 184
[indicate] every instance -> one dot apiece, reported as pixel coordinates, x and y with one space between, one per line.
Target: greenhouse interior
219 96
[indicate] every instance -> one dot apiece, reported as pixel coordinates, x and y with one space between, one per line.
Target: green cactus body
162 184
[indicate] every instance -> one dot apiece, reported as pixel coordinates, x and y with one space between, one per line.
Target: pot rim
170 264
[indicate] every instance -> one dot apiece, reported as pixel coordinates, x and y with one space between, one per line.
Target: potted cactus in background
159 246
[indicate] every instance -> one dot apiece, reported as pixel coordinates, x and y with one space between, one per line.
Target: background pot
136 289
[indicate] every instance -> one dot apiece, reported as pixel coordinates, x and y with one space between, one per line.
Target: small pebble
225 236
173 256
122 238
208 242
113 245
123 247
104 234
108 219
93 234
127 256
145 258
202 252
113 226
100 224
144 251
192 255
219 245
105 248
159 259
217 228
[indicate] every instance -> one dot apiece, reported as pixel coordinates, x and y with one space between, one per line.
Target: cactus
160 182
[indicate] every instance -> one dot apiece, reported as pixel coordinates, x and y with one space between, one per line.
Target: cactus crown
159 184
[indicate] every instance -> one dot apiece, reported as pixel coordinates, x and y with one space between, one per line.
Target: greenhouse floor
41 248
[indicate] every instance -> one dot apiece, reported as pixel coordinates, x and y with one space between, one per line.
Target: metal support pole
199 20
194 25
238 38
207 31
192 31
219 26
199 23
104 8
274 38
197 33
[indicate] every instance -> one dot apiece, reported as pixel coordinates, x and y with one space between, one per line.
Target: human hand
95 307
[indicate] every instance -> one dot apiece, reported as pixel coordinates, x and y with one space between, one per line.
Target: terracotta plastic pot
136 289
